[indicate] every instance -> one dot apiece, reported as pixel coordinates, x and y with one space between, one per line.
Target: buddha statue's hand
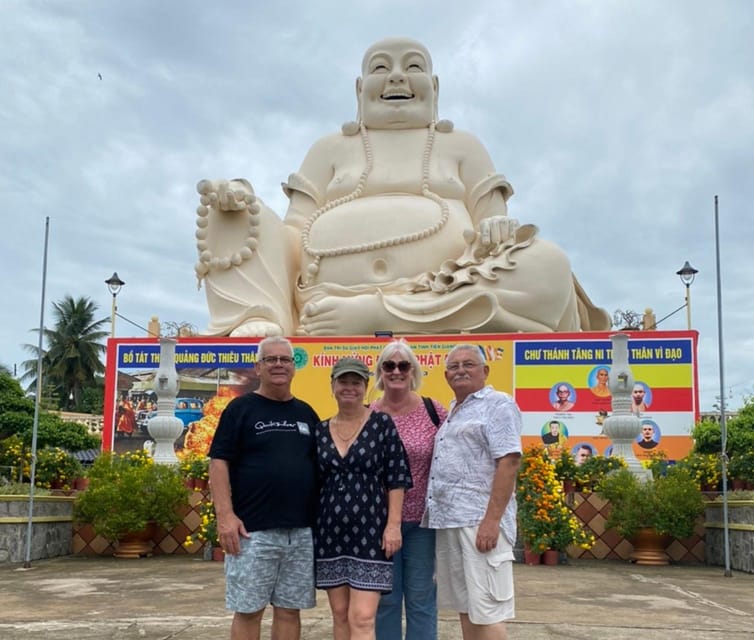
224 195
494 234
497 230
226 241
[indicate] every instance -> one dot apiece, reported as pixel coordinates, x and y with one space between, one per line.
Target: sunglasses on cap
389 365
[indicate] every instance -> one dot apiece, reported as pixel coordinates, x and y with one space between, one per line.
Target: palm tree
73 350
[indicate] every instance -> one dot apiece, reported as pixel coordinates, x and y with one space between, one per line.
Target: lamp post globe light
687 273
114 284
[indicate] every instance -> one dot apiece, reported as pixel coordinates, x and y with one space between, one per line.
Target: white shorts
468 581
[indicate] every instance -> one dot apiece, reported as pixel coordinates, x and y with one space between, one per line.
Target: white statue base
165 427
164 430
623 427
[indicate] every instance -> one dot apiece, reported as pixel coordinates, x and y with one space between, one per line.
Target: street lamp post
687 273
114 283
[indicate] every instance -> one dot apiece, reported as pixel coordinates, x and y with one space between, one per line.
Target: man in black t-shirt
262 473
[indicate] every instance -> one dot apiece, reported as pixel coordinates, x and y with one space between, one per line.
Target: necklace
340 437
318 254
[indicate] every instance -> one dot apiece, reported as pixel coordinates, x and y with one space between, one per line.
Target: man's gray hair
272 340
479 357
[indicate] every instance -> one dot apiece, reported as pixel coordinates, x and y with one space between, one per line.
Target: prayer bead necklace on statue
207 260
318 254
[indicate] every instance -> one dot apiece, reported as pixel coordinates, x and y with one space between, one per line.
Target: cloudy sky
617 122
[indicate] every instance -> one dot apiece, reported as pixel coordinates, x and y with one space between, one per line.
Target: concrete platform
181 598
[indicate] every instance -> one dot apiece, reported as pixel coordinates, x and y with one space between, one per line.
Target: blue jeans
414 583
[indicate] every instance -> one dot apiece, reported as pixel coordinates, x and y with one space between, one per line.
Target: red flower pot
530 557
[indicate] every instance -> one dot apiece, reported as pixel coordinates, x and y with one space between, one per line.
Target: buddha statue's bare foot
331 316
257 329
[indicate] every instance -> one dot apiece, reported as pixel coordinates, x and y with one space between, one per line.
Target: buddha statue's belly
409 223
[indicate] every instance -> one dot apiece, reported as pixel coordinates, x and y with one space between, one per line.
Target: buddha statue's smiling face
397 89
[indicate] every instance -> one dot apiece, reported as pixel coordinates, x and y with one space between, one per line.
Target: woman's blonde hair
401 347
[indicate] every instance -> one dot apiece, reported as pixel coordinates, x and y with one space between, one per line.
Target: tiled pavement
181 598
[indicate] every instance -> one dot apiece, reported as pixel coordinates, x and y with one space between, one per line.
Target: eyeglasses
270 360
389 365
466 364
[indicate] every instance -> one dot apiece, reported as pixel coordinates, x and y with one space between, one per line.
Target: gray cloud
617 123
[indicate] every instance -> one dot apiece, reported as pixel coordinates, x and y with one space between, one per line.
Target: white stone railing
91 421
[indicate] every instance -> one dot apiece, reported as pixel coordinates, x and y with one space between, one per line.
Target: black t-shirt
271 454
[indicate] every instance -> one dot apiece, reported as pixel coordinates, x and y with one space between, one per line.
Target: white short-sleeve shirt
484 427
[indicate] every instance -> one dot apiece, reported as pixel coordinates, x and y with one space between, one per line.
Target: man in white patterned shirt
471 498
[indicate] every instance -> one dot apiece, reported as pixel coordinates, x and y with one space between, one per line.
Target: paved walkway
181 598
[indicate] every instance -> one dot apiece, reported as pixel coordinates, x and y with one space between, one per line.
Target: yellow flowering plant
595 468
194 465
705 468
546 521
56 468
15 459
207 531
565 467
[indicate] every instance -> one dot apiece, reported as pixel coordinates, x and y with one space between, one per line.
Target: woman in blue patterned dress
364 472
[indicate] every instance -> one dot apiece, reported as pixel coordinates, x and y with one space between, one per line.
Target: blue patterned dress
352 511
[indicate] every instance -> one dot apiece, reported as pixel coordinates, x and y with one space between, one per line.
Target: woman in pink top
399 375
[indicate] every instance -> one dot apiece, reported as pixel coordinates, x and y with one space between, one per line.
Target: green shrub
670 504
55 432
21 489
707 437
127 491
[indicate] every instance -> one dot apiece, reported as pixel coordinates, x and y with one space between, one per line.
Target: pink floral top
417 431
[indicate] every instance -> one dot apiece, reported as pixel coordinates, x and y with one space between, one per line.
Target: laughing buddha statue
398 223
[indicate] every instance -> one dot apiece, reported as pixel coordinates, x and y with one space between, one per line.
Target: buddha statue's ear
443 126
358 99
352 128
436 87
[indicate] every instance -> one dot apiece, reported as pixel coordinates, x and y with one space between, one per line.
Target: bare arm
391 538
229 525
503 485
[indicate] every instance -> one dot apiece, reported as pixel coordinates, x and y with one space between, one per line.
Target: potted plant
129 494
195 468
546 521
206 534
594 469
15 459
56 469
741 469
651 513
200 472
565 471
